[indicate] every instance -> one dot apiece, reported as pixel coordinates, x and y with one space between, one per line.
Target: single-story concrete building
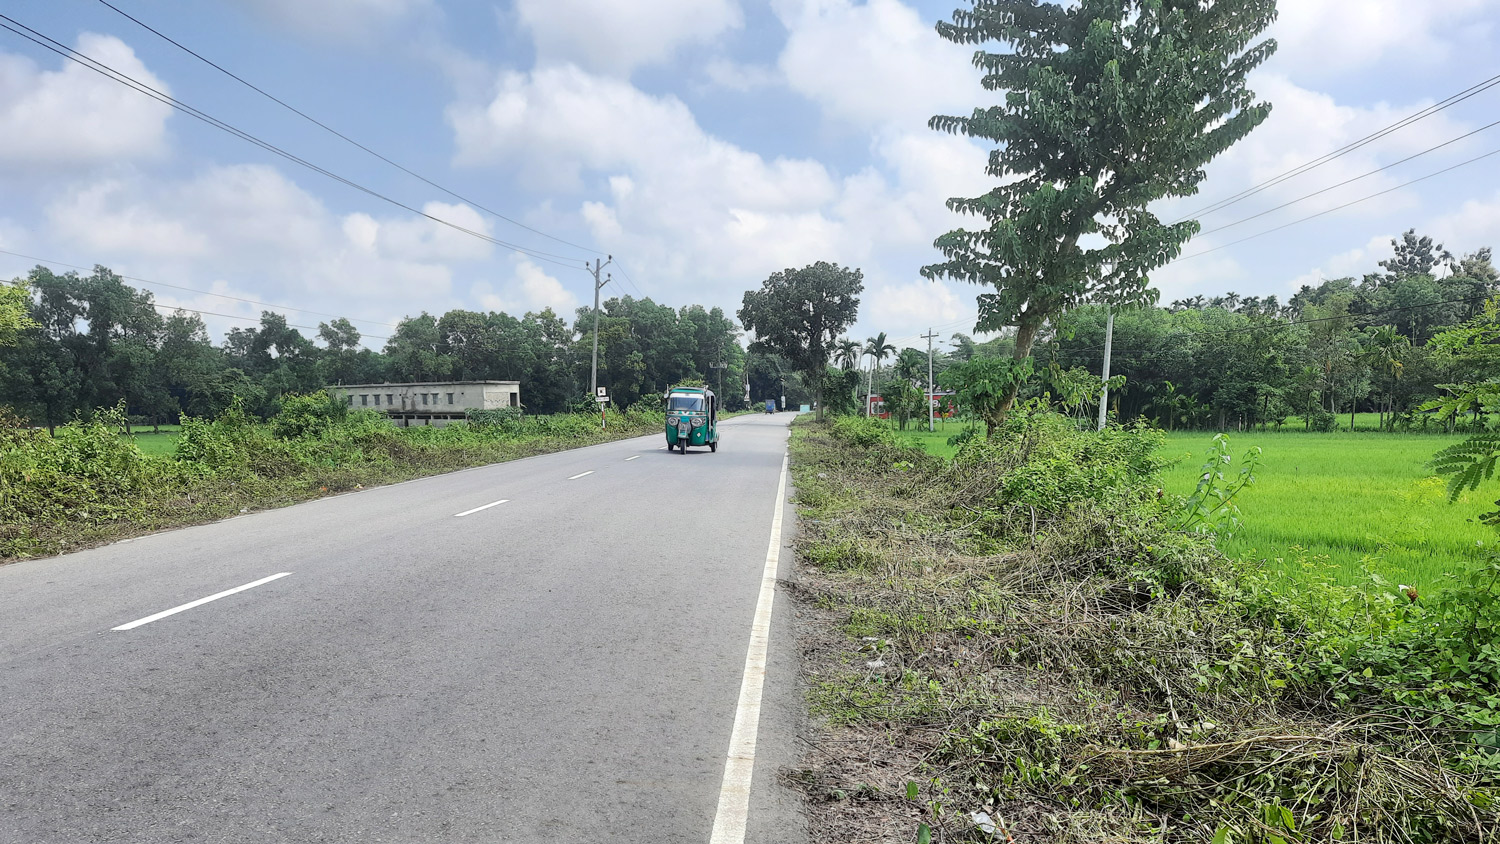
434 403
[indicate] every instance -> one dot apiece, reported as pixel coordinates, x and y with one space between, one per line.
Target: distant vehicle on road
770 405
692 418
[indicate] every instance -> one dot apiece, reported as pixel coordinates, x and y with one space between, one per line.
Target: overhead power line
108 72
1489 154
1423 114
202 292
320 124
1353 180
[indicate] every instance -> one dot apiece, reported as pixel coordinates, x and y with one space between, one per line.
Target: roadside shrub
1040 636
1323 422
307 415
863 431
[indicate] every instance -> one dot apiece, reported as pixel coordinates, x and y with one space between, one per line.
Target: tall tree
798 313
1109 106
878 350
15 311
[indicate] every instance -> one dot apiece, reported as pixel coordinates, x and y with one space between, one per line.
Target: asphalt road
562 667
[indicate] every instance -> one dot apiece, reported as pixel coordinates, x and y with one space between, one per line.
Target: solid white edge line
628 459
581 475
734 793
483 507
200 602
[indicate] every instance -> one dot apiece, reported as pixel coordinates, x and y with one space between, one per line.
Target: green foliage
1322 422
838 392
1211 508
1143 94
89 483
308 415
15 311
1107 676
904 401
985 386
796 314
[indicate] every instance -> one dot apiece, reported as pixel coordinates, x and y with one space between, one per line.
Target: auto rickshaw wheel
683 444
713 446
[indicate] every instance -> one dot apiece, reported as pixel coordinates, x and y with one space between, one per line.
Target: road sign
603 392
602 399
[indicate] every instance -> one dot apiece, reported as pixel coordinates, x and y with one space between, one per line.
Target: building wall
435 398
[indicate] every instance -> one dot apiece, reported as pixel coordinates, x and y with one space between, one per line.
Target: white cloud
1351 36
1473 226
907 307
701 218
875 63
249 227
611 36
734 76
1351 264
531 290
342 21
73 116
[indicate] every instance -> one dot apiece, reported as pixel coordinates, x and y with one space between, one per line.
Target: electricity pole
594 369
1109 341
930 398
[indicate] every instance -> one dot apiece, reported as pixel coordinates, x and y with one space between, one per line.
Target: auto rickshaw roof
697 391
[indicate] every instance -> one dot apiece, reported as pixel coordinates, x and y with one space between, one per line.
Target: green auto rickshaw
692 418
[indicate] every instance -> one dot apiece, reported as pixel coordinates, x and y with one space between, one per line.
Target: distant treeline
1386 343
97 342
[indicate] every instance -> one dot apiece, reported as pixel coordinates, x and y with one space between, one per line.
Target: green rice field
1328 506
159 444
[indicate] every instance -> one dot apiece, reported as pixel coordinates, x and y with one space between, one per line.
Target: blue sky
704 143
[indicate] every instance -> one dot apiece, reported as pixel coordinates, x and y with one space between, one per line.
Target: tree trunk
1025 339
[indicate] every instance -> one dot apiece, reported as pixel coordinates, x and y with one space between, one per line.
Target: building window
450 398
349 400
424 398
377 400
390 399
515 400
364 401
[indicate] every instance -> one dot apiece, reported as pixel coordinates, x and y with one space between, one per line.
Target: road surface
565 666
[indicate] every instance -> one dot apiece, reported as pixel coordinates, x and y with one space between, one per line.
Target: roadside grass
1018 644
88 484
162 444
1329 506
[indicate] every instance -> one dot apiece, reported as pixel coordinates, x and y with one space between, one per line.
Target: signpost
602 397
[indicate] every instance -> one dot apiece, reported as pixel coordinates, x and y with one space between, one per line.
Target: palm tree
847 353
1385 354
878 350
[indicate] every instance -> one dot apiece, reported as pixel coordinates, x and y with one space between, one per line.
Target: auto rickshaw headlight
697 421
671 420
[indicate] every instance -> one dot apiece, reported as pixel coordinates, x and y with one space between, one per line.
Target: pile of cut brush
1024 645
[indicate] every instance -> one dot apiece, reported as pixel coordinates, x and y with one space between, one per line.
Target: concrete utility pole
1109 341
594 369
721 367
931 399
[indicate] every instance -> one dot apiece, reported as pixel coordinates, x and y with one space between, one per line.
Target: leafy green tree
904 401
1109 105
1415 256
15 311
797 314
986 386
415 351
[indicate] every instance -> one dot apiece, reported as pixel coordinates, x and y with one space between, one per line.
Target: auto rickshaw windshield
685 404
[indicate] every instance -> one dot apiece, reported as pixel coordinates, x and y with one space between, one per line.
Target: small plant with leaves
1212 508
